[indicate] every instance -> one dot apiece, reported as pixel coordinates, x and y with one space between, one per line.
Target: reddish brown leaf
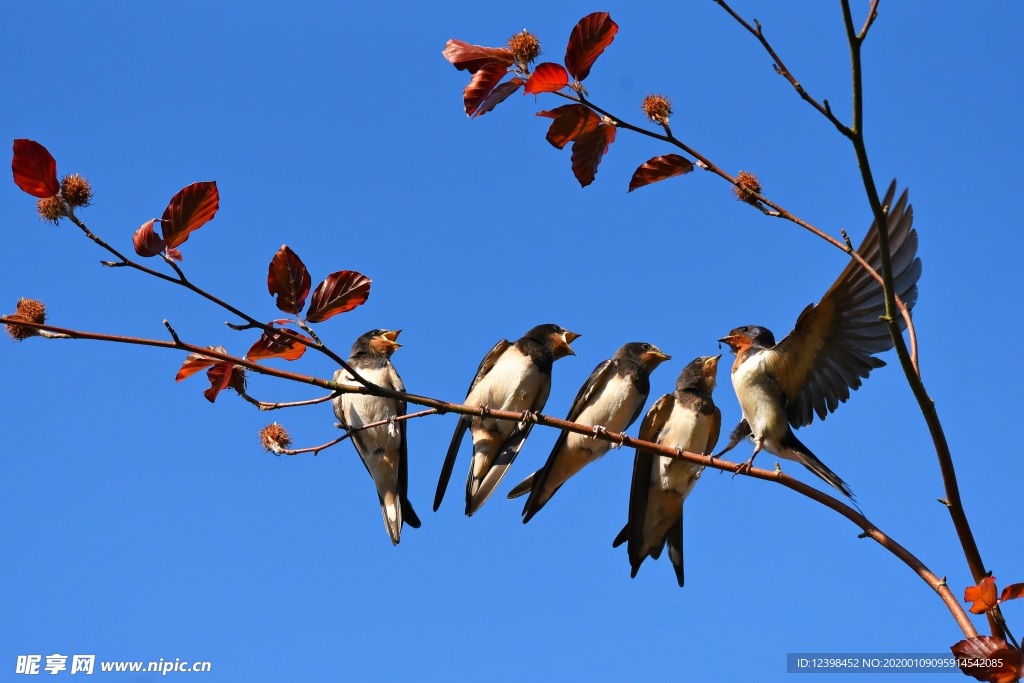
188 211
570 122
34 169
288 280
466 57
587 41
147 243
278 345
340 292
220 377
659 168
1012 592
983 595
197 361
588 150
547 77
988 659
481 85
175 255
498 95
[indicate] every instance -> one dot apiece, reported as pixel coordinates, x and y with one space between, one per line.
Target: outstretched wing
833 346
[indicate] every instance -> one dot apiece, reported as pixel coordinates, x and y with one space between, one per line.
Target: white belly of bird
617 402
512 384
758 398
360 409
689 431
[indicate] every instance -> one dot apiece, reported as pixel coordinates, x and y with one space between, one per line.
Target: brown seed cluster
658 109
76 190
525 47
275 438
52 209
28 310
747 186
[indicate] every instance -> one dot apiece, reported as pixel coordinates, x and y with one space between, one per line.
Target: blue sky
142 522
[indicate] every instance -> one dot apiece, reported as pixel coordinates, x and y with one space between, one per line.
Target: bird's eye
646 347
558 329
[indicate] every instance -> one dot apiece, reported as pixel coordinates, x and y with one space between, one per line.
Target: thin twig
181 280
783 70
315 450
266 405
776 212
174 335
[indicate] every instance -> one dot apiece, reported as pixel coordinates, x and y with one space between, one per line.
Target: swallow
780 387
383 449
611 399
686 419
513 376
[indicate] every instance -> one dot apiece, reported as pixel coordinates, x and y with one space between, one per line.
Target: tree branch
440 407
181 280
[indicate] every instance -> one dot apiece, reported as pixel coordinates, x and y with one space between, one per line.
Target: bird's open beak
390 337
732 340
568 338
658 356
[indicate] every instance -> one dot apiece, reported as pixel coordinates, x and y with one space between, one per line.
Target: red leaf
587 41
570 122
498 95
197 361
34 168
466 57
588 150
147 243
983 595
189 210
659 168
278 345
1012 592
988 659
288 280
481 85
175 254
340 292
547 77
220 377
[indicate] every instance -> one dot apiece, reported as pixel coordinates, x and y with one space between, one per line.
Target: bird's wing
598 378
460 429
487 364
510 448
715 431
408 514
507 451
643 470
832 347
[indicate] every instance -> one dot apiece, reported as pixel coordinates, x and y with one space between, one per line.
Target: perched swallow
383 449
687 419
610 399
827 354
514 377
